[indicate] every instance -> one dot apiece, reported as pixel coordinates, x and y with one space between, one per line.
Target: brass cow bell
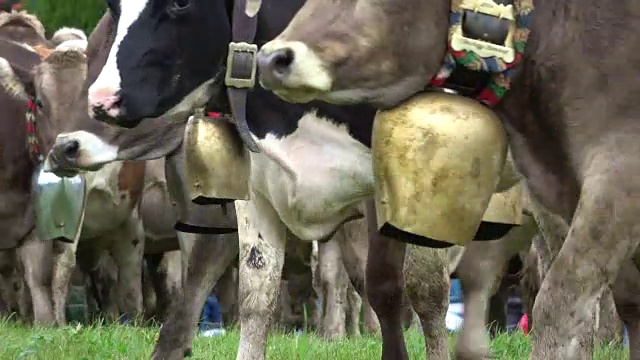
216 163
510 175
503 213
437 161
59 205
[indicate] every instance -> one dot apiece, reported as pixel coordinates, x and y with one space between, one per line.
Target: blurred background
83 14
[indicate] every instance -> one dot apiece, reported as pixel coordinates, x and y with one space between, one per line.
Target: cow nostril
70 150
282 60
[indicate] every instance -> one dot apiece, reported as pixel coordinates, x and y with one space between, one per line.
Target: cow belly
334 174
104 213
157 213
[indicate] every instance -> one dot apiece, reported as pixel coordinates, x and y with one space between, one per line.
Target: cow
19 33
344 150
111 221
574 143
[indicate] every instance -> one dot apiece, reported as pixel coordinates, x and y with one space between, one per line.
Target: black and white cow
162 54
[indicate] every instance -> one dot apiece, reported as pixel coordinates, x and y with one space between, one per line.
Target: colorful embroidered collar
483 56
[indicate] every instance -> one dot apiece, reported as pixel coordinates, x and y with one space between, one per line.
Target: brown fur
131 179
570 117
16 208
22 27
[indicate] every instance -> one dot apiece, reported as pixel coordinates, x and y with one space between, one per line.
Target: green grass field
124 342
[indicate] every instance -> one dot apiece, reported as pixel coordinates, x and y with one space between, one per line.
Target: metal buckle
241 65
485 49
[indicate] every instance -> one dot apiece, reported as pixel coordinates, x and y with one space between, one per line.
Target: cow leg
262 247
484 258
127 250
489 258
8 291
354 247
333 284
427 282
64 264
627 301
227 287
171 266
384 284
203 273
354 306
37 259
208 257
602 235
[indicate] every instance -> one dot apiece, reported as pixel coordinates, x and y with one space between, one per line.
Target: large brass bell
216 164
503 213
438 158
510 175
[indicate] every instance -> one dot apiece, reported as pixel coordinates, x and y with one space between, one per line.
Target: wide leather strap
241 68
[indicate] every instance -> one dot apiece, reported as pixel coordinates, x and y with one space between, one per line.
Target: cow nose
275 66
67 152
104 101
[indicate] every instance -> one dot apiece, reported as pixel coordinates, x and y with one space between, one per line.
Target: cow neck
33 145
241 69
485 43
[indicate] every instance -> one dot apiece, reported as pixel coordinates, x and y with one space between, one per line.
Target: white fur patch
65 33
27 46
93 151
75 45
109 77
333 174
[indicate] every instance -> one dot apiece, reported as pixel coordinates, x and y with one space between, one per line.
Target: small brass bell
217 166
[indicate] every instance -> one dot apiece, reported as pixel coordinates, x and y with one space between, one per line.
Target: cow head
74 140
350 51
163 51
53 87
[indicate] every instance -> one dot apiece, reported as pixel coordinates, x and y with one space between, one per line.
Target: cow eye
178 7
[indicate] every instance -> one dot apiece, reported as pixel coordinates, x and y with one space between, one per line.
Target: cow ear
16 80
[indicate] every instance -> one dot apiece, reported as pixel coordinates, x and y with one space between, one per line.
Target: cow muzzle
59 205
438 159
216 163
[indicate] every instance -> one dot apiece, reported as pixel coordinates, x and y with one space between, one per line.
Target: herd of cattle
305 232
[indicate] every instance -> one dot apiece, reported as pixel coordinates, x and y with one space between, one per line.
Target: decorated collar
474 27
33 145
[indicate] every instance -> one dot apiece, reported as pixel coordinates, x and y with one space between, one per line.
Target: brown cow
110 222
569 117
19 32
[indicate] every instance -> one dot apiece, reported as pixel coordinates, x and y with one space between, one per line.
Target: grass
104 342
54 14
